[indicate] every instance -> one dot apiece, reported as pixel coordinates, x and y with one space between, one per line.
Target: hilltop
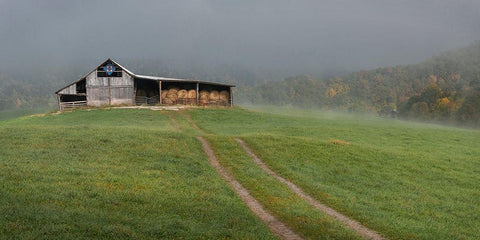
444 88
142 174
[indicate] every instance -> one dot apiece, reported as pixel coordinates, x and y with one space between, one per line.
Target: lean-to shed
112 84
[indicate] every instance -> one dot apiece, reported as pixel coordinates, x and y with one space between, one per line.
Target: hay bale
164 94
173 90
182 94
224 95
203 101
173 97
192 93
214 95
204 94
168 101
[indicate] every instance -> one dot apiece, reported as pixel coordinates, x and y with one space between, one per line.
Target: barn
112 84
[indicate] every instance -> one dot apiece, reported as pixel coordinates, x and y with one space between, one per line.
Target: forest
445 88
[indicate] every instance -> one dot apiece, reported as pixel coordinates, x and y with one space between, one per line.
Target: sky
301 36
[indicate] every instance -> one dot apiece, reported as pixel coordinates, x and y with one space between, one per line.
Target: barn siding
70 90
121 89
109 90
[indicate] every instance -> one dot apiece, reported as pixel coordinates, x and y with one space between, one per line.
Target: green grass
9 114
299 215
110 174
405 180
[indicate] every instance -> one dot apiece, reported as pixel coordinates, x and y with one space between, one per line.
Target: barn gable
112 84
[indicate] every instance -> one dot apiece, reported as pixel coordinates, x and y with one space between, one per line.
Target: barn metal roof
163 79
154 78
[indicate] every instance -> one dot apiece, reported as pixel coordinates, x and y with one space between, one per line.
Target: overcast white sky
305 36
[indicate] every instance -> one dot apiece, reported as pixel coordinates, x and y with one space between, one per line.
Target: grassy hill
112 174
142 174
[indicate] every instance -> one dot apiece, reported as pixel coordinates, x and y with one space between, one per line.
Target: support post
109 92
160 91
231 97
196 101
134 102
59 104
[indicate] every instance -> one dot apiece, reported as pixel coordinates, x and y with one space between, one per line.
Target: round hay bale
182 93
172 96
224 95
203 101
214 95
192 93
164 94
168 101
173 90
204 94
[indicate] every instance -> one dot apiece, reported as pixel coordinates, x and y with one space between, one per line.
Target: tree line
443 88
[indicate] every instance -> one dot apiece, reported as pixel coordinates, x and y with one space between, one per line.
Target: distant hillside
444 88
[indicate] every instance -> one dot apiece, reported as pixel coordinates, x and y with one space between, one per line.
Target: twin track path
280 229
277 227
356 226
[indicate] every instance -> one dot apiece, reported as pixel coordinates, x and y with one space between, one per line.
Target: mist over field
240 119
254 44
303 37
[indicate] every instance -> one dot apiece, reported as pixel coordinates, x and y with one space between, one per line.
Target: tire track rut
356 226
278 228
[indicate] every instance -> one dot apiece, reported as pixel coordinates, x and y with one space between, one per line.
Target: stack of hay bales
164 94
176 95
214 96
192 96
224 97
172 96
182 96
204 97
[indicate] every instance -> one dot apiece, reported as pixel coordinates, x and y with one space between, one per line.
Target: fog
298 36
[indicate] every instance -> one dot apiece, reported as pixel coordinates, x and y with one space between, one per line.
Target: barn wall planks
72 89
109 90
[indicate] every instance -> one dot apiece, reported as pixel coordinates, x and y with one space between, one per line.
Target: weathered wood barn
112 84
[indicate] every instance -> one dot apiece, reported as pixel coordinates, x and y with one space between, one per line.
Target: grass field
113 174
9 114
141 174
405 180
